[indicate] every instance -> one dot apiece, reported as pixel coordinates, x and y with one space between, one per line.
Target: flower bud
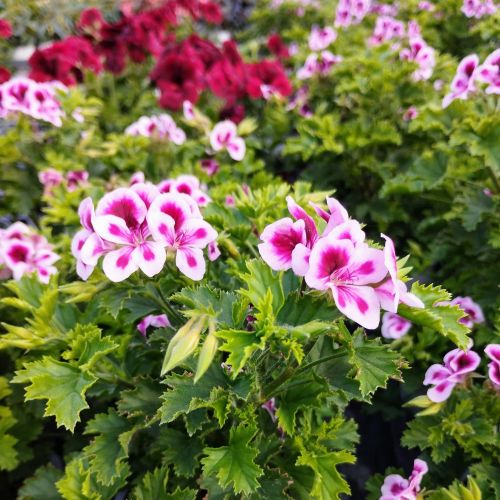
183 343
207 354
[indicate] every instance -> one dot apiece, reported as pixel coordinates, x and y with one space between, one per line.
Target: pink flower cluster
478 8
23 251
134 228
51 178
38 100
351 12
420 53
321 38
224 137
394 326
457 365
361 279
318 64
469 72
386 28
493 352
159 126
396 487
473 312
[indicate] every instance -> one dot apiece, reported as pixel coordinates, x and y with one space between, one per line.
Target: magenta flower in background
478 8
489 72
210 166
351 12
50 178
158 126
473 312
396 487
213 251
464 81
224 136
386 28
394 326
318 64
156 321
410 114
186 184
76 178
421 54
493 352
457 365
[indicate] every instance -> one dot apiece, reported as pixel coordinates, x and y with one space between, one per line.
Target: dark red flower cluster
277 47
5 32
187 68
64 61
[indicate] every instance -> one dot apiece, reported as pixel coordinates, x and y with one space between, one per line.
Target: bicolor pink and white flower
463 84
174 221
213 251
23 251
321 38
396 487
38 100
489 72
394 326
386 29
224 137
158 126
351 12
50 178
154 320
457 366
133 228
426 6
186 184
421 54
318 64
473 312
349 273
76 179
188 110
410 114
493 352
478 8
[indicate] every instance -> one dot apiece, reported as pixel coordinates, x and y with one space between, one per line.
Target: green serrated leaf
153 485
374 363
179 450
42 485
109 449
61 384
328 483
234 464
87 346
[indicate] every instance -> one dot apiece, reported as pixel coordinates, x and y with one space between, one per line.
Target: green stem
338 354
252 250
495 180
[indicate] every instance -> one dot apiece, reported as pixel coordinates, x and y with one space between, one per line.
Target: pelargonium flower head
349 272
76 178
154 320
493 352
160 126
463 82
23 251
50 178
321 38
421 54
457 365
175 223
210 166
186 184
489 72
224 136
120 219
410 114
386 28
280 239
337 213
396 487
394 326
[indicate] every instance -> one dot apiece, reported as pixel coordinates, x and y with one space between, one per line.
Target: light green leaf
443 319
328 483
87 346
153 485
61 384
234 464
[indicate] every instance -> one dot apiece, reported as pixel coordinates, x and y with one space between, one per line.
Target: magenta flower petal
358 303
119 264
149 257
441 392
125 204
435 374
190 262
